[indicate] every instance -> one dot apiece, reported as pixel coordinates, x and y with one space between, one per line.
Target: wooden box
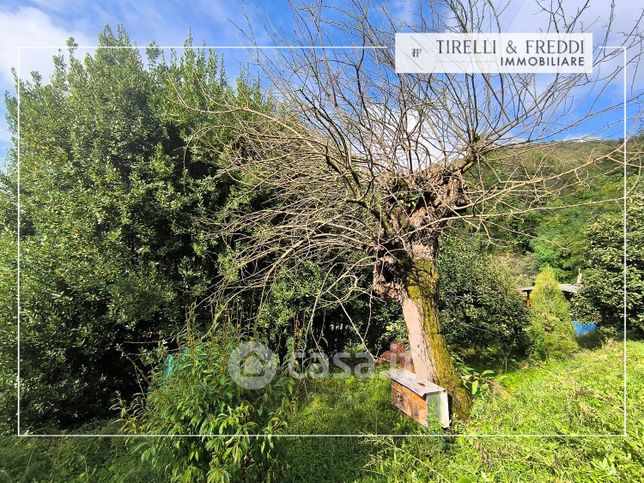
421 400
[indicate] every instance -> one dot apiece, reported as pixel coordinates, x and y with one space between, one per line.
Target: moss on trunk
421 285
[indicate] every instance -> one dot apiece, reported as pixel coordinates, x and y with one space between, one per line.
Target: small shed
568 289
422 400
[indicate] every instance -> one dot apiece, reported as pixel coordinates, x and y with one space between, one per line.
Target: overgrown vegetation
580 395
602 296
482 313
126 180
196 396
112 259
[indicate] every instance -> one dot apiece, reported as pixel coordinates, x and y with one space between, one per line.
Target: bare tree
366 168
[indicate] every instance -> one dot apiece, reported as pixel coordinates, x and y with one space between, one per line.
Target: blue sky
51 22
213 22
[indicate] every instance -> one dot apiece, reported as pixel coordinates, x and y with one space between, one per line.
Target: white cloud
25 27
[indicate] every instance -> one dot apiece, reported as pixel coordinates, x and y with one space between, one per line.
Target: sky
49 23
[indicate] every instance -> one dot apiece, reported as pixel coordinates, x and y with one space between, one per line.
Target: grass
338 407
580 395
72 459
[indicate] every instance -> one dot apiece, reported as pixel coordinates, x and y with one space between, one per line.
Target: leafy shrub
481 311
304 303
553 334
199 397
114 182
8 334
601 298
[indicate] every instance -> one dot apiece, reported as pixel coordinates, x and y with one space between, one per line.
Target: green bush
482 313
199 397
601 298
114 186
553 334
304 304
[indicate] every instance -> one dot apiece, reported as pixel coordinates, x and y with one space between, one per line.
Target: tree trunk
431 357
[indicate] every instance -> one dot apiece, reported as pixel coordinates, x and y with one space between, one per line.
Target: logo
252 365
471 53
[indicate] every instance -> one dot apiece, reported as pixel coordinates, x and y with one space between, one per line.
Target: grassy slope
581 395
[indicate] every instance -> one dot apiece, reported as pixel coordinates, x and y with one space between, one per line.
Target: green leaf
475 387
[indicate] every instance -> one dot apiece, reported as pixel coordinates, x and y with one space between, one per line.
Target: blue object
582 329
169 365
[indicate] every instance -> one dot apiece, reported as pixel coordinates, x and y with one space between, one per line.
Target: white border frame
308 47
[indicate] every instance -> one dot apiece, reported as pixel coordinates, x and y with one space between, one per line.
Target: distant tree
601 298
